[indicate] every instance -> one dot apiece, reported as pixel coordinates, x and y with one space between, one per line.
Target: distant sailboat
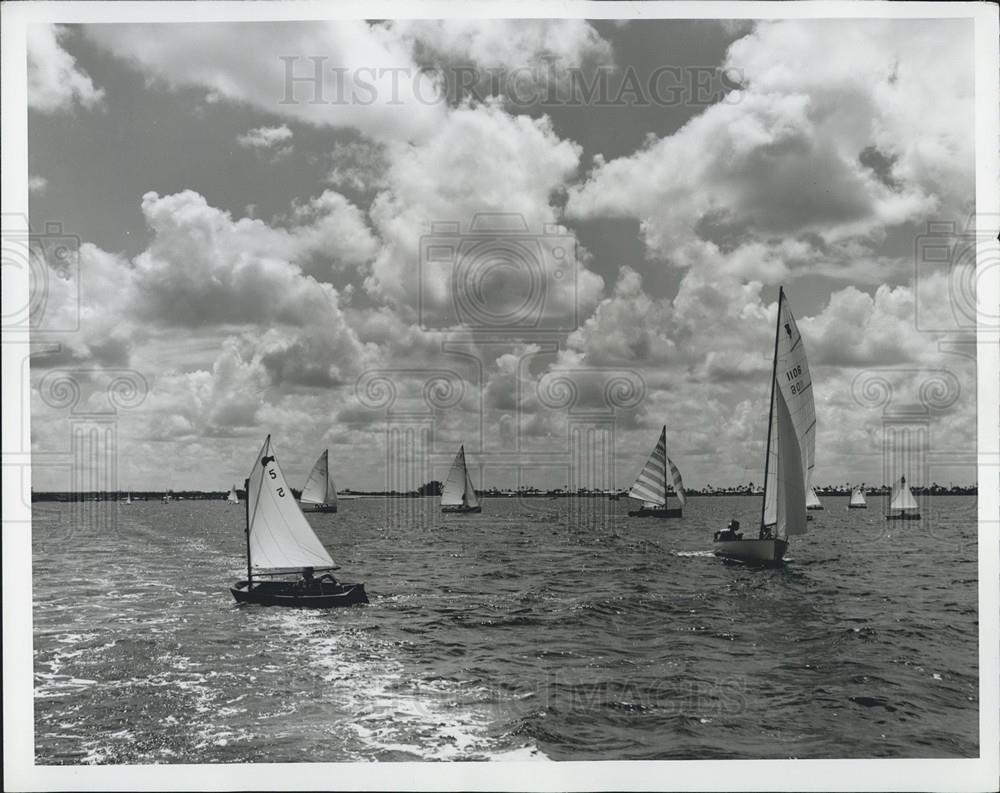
280 541
165 498
650 486
128 498
458 494
233 497
857 499
903 505
791 445
319 493
812 500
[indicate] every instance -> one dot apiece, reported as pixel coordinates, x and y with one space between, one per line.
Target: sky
458 234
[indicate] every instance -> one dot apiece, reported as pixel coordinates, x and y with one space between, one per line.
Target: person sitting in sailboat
731 532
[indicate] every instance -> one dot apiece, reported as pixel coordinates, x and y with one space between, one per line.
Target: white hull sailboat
319 493
280 542
812 500
902 506
857 499
458 494
128 498
650 487
791 447
233 497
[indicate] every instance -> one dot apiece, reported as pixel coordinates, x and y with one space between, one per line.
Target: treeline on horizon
434 489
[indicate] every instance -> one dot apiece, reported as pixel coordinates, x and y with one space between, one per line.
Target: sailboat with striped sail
458 494
319 493
280 542
857 499
791 449
651 487
902 506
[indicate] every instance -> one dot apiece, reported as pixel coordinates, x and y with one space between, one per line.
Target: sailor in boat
731 532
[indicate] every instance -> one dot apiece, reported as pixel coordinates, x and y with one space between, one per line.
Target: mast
666 467
770 410
246 487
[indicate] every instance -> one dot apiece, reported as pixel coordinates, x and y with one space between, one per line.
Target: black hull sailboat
788 461
650 487
281 543
291 593
461 510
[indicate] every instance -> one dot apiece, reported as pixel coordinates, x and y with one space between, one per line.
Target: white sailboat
128 498
812 500
233 497
791 445
857 499
458 494
319 493
902 506
650 487
280 541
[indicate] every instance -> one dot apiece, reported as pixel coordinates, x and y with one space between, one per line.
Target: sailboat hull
461 509
763 551
655 513
857 506
318 507
290 595
814 508
904 516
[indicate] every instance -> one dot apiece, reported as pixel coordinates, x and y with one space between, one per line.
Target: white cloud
469 163
55 83
367 77
833 152
276 141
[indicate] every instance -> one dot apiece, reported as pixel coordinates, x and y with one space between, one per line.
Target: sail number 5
280 491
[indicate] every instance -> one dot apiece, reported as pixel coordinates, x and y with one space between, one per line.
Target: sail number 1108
791 375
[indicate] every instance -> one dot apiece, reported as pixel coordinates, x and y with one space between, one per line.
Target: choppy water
536 630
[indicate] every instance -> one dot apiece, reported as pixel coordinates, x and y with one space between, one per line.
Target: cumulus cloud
55 83
469 162
826 155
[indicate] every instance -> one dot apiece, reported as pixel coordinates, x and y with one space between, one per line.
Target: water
538 630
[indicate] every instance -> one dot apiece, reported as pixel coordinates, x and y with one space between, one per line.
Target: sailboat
458 494
319 493
233 497
791 447
903 505
650 486
281 542
812 500
165 498
857 499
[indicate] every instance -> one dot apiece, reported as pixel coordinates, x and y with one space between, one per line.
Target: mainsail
651 484
812 500
792 430
233 498
458 489
902 496
320 488
858 498
280 538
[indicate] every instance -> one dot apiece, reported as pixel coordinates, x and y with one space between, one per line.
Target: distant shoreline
220 495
